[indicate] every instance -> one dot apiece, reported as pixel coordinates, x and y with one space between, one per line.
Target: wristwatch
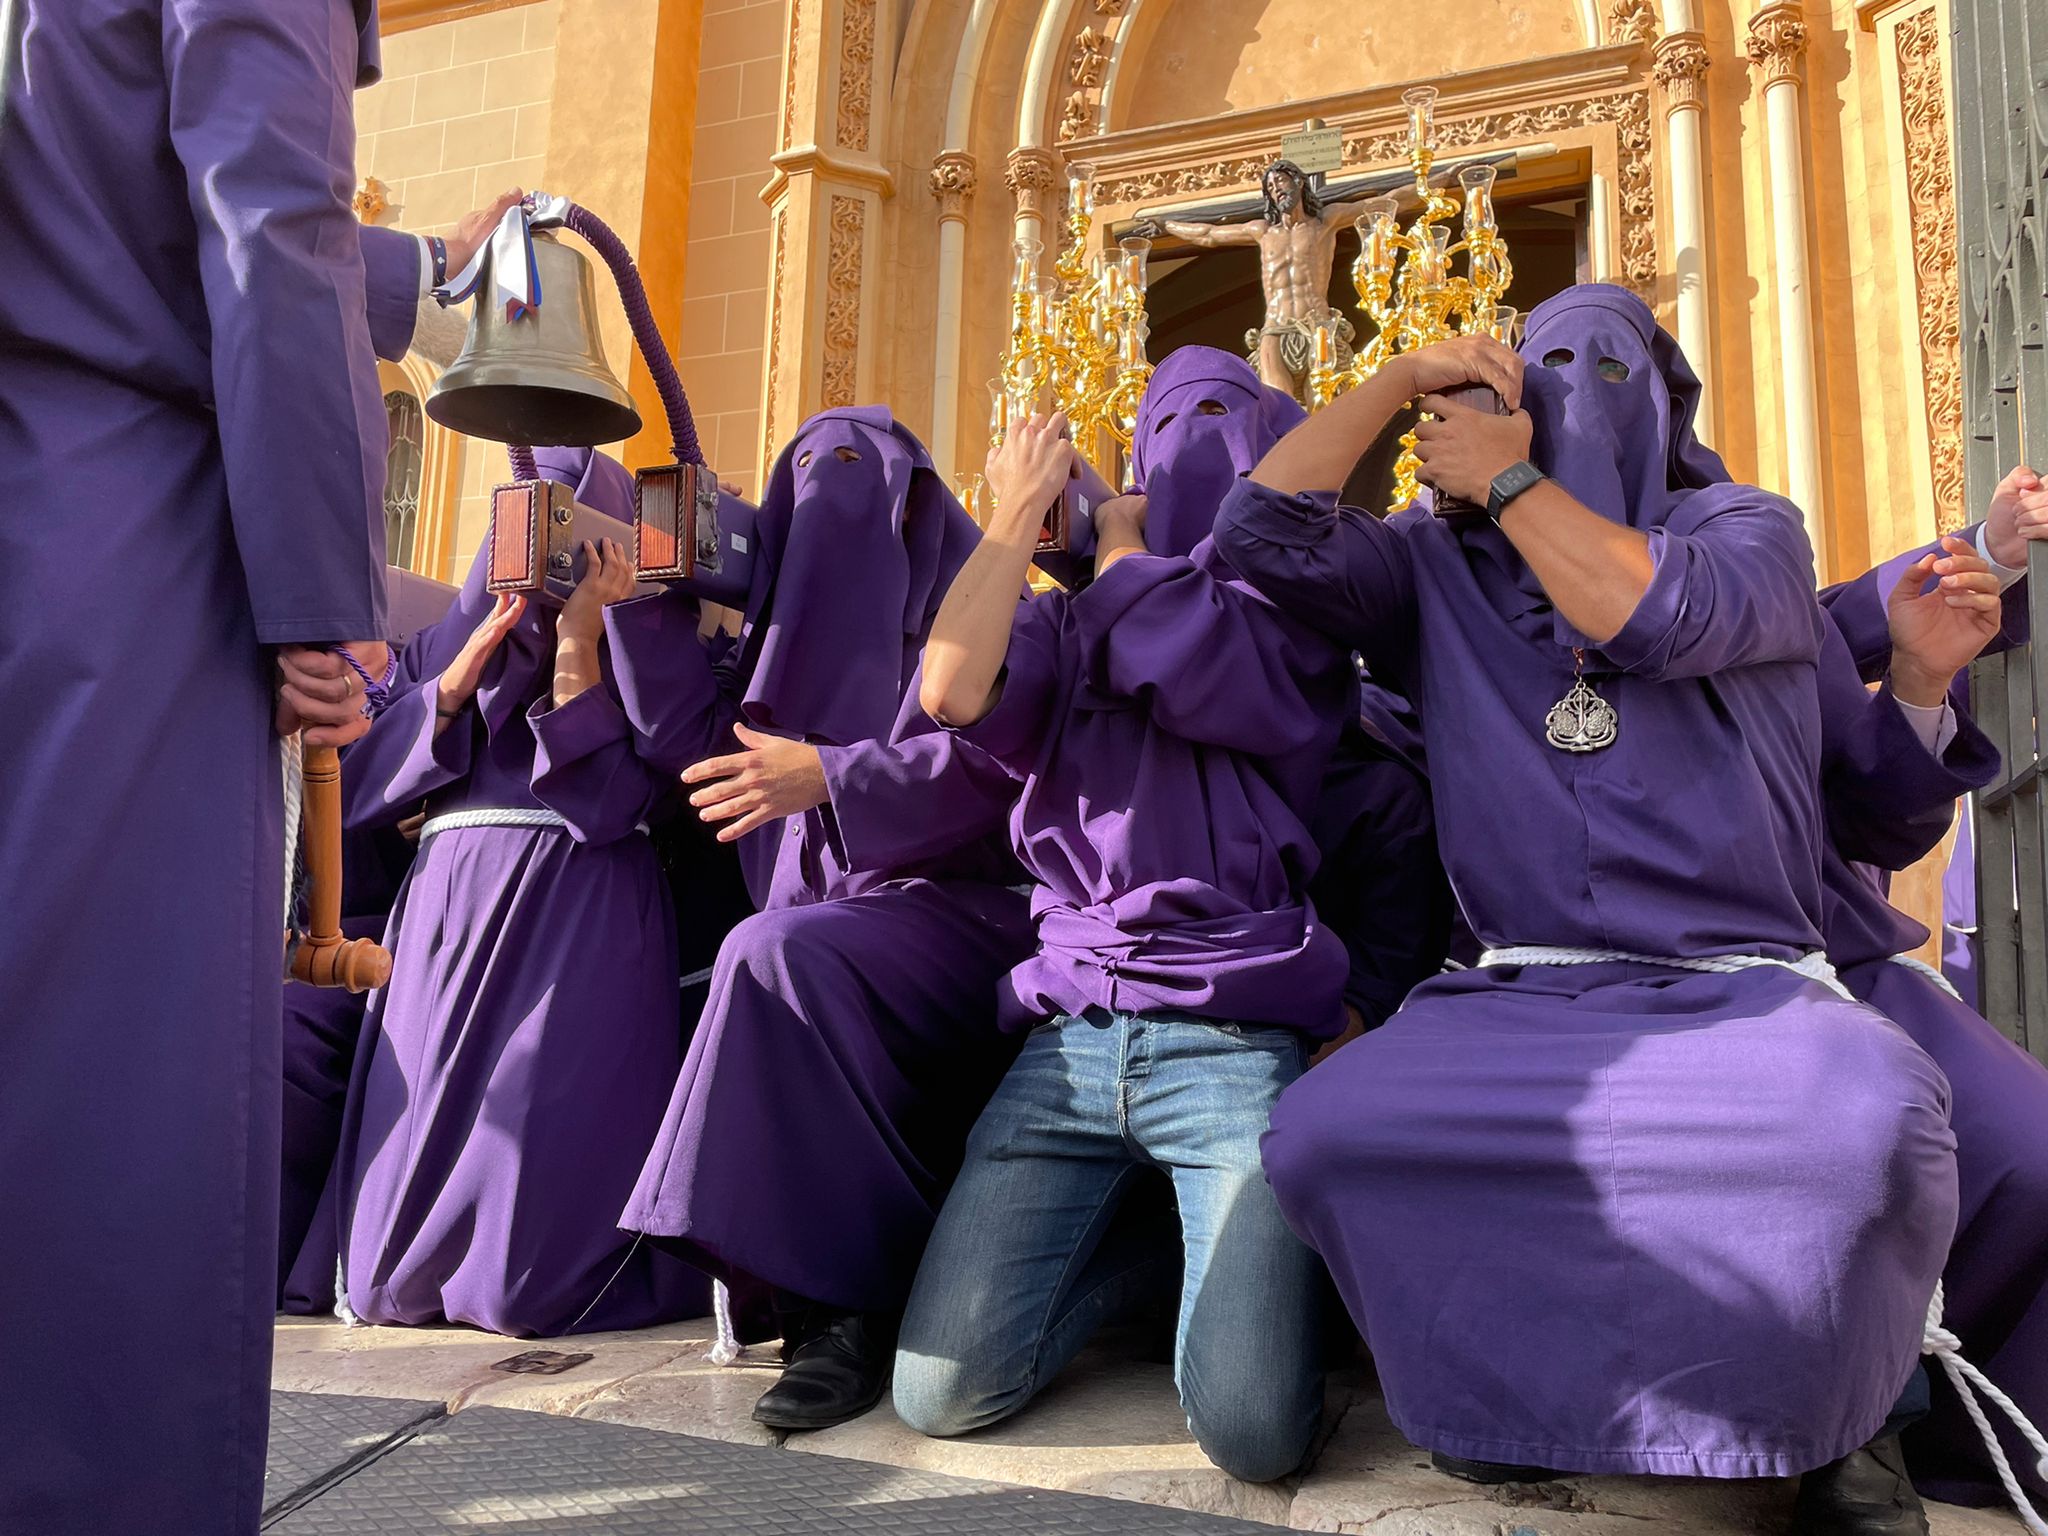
1509 484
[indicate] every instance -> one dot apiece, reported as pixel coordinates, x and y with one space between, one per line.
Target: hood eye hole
846 455
1164 422
1558 357
803 460
1613 370
1212 408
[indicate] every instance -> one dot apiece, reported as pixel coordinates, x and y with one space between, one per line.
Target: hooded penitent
849 1038
1781 1154
1205 419
489 1135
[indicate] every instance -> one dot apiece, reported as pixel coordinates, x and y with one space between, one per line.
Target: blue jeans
1017 1274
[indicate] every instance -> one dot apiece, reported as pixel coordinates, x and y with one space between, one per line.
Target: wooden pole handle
322 957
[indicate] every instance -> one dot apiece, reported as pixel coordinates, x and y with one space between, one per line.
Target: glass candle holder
1420 101
1377 232
1081 189
1025 272
1477 180
1136 251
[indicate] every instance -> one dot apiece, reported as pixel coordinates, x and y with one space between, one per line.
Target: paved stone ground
1110 1426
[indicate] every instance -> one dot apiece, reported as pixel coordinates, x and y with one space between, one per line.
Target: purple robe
1614 1217
322 1024
195 449
1205 420
1859 610
515 1068
849 1039
1169 729
1889 801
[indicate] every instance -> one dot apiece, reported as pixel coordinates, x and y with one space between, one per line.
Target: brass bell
540 379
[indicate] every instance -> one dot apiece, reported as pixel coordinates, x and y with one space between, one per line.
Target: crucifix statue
1296 234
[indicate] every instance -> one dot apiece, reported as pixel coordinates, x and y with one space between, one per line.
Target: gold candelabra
1077 336
1406 282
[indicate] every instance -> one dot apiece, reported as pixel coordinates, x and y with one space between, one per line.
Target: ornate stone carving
372 200
1632 21
796 11
1078 118
774 359
1090 60
1030 177
1931 199
1629 111
1681 64
1777 42
953 181
856 73
845 225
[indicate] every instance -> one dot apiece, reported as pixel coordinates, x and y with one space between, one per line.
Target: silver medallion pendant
1581 721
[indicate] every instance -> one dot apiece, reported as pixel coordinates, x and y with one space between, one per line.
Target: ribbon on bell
515 278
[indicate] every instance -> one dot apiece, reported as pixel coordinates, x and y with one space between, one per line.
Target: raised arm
1214 236
963 658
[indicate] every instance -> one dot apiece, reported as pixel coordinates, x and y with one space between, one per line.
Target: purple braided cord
640 316
523 467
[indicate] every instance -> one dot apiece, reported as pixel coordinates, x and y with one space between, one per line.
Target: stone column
1777 44
1680 67
953 182
1031 177
646 52
825 198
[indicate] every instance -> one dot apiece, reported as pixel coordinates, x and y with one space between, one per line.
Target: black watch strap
1508 484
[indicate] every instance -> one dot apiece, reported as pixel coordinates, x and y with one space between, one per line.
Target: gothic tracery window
403 460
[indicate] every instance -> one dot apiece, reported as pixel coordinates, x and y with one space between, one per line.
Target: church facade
823 196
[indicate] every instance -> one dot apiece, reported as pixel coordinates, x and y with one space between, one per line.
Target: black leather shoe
1488 1472
838 1368
1866 1493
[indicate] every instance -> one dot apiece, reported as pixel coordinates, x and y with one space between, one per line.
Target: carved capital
1777 42
1031 176
1681 64
953 182
1110 7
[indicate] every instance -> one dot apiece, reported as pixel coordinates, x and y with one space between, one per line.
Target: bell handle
646 334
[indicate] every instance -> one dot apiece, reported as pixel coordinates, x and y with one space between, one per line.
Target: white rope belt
294 756
1914 963
1969 1382
497 816
1814 967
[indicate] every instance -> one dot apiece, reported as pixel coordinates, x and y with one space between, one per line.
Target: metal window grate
2000 49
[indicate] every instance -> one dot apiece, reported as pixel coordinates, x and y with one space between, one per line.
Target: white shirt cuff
1935 727
2006 574
427 272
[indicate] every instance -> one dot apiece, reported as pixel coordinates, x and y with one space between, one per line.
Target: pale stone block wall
461 113
727 261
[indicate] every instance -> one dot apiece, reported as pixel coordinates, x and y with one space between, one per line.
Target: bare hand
319 694
731 488
459 682
1463 449
473 229
1937 633
775 777
2018 515
608 578
1464 360
1028 471
411 826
